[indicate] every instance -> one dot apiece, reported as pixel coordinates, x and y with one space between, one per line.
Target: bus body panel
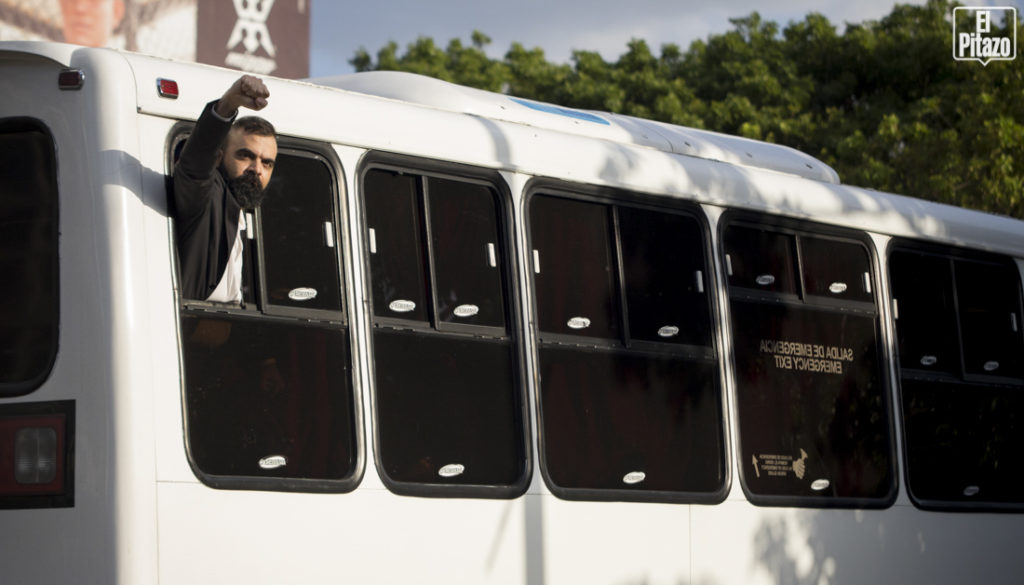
107 536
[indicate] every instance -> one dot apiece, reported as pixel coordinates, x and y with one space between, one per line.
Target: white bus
489 340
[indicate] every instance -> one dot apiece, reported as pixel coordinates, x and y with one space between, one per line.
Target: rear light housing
167 88
70 79
37 455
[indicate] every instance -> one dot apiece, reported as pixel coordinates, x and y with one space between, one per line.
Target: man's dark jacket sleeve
206 214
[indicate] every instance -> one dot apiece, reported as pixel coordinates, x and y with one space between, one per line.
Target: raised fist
247 91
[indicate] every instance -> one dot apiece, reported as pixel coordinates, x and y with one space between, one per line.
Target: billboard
267 37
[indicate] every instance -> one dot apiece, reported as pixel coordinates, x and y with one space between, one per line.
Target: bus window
664 271
29 300
812 403
961 424
631 410
268 398
989 309
575 282
836 269
922 287
298 236
268 386
761 260
396 252
450 411
464 247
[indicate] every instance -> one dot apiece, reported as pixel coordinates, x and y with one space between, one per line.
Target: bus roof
449 97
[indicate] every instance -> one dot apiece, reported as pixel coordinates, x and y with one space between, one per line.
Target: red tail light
36 446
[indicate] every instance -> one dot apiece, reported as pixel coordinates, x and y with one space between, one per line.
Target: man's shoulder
195 196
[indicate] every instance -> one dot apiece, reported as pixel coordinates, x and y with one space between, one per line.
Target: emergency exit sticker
775 465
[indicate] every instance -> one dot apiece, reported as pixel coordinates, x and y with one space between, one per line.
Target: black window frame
799 229
511 333
52 266
261 311
623 345
948 381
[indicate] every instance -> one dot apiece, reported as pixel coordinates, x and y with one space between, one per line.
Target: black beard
247 190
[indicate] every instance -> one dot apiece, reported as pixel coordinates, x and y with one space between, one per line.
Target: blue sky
339 29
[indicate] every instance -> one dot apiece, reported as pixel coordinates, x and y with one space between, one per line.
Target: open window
811 398
450 406
961 356
630 399
268 385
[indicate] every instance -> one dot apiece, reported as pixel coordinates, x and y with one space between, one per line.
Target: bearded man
223 172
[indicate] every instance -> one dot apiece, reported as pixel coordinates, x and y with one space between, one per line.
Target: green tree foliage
883 101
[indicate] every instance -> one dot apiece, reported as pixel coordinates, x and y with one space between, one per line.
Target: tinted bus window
267 398
761 260
396 251
922 287
464 243
663 263
450 415
268 384
631 410
811 402
29 299
961 379
836 269
574 272
812 406
298 236
988 300
447 409
630 424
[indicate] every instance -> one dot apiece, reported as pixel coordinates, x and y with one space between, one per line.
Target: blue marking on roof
549 109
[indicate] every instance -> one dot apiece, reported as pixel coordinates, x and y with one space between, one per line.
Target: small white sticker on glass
837 288
273 462
302 294
402 306
820 484
765 280
991 366
578 323
466 310
929 360
451 470
668 331
634 477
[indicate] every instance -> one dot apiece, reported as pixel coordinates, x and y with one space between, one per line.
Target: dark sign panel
268 37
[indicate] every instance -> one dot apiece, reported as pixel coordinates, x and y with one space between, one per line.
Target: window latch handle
329 234
492 257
